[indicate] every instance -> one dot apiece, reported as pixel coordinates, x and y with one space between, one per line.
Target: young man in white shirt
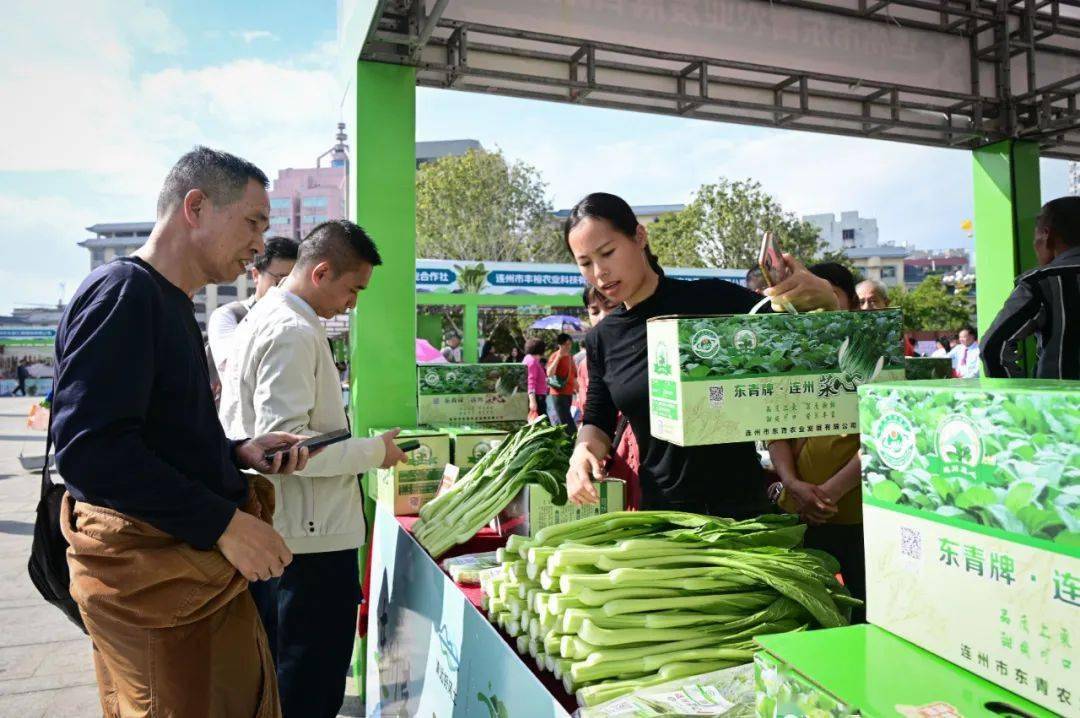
281 373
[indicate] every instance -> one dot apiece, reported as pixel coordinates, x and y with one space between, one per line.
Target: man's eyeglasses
277 277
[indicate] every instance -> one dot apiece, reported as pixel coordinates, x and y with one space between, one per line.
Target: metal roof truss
1009 42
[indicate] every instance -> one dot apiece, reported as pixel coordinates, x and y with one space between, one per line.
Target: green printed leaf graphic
951 511
1020 497
975 497
887 491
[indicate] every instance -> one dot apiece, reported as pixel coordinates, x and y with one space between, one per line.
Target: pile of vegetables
536 453
617 602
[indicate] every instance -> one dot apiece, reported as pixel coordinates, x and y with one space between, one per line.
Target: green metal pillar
382 370
1007 202
470 343
383 328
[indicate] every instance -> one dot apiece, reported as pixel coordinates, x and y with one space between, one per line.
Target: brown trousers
175 630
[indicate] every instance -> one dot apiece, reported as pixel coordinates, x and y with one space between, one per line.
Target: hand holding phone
277 452
311 443
771 260
802 290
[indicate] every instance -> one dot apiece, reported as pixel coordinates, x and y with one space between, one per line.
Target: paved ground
45 666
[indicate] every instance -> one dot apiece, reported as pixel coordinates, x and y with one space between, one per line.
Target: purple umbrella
558 322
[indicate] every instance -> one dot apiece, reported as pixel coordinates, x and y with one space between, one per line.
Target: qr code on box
716 395
910 543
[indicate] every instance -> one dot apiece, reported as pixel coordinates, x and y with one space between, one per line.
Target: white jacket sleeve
284 400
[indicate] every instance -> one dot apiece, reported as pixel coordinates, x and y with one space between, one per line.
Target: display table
430 651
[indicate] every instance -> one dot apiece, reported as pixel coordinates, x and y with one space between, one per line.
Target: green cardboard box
916 368
722 379
866 671
468 444
533 510
407 487
971 503
470 393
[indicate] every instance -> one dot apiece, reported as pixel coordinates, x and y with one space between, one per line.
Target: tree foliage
931 307
723 225
479 206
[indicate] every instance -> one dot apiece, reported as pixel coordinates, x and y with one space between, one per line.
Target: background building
431 151
847 232
857 237
303 198
883 263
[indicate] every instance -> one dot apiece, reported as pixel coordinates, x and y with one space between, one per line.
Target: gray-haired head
219 175
872 294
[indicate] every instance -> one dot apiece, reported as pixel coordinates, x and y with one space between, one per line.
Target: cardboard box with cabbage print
468 444
722 379
971 503
471 393
406 487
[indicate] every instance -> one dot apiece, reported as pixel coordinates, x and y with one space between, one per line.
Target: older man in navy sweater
164 529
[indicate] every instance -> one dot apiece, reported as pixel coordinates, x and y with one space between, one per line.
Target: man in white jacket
281 373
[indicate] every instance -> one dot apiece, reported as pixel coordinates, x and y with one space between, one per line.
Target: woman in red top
561 378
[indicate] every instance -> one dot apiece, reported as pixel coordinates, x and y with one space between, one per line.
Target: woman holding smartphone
611 249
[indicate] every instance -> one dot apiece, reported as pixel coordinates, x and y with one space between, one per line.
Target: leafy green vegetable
859 358
471 280
1006 456
744 345
537 453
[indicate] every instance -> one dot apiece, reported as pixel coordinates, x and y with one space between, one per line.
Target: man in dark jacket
1045 302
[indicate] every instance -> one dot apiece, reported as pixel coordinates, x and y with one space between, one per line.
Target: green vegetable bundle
618 602
537 453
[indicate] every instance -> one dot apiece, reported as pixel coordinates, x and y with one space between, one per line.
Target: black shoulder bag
48 565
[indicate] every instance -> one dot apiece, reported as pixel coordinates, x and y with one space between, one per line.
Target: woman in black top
612 251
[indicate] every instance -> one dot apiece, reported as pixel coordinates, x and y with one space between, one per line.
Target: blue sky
109 97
